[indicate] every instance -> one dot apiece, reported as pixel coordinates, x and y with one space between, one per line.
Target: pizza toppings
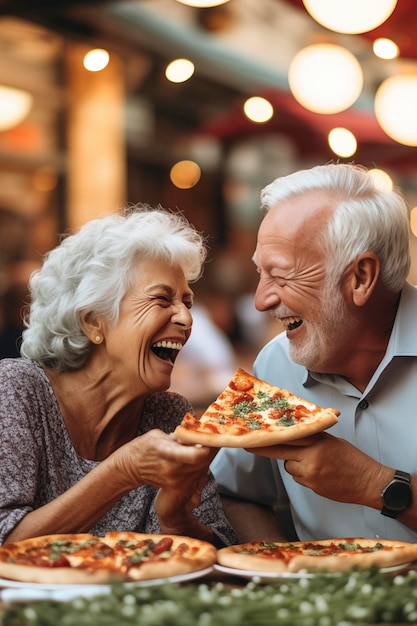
251 413
289 550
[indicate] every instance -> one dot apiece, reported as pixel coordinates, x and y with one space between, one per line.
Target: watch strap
403 477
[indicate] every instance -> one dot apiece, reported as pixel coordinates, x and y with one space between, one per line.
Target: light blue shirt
382 422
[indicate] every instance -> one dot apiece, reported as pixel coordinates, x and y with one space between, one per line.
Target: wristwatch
396 496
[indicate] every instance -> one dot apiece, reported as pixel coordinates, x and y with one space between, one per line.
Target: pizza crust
190 555
244 556
56 575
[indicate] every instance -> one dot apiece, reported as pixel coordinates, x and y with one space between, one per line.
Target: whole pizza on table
79 559
84 558
331 555
252 413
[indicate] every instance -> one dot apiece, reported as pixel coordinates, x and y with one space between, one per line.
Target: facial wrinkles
159 337
324 332
151 306
291 286
306 279
284 263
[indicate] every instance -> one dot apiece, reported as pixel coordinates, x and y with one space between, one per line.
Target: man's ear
364 275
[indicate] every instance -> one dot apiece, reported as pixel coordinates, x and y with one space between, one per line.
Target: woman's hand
178 471
175 515
157 459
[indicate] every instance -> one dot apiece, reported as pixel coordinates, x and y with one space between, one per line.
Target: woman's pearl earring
97 339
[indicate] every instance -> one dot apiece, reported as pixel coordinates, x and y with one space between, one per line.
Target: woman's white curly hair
91 271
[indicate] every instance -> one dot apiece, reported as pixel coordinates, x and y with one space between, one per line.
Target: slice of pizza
334 555
87 559
251 413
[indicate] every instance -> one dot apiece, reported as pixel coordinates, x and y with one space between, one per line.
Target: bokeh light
342 141
385 48
382 179
185 174
258 109
395 108
96 60
325 78
179 70
350 16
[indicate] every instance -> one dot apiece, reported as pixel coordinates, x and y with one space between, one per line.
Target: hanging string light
325 78
395 108
350 16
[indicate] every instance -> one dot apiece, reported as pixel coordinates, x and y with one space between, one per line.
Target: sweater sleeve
20 452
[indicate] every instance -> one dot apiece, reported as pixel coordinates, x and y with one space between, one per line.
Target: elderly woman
85 415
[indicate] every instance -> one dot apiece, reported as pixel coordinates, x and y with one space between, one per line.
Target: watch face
397 496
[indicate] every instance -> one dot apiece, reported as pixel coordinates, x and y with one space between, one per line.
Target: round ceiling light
202 4
179 70
96 60
395 108
381 179
325 78
350 16
385 48
342 141
15 105
185 174
258 109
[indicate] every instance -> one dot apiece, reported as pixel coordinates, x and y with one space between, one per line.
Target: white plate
270 576
14 590
249 574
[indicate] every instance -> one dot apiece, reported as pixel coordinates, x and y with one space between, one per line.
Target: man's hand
332 468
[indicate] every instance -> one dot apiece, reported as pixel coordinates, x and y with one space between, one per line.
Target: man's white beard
322 335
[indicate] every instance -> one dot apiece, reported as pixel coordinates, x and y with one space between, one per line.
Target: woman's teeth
167 344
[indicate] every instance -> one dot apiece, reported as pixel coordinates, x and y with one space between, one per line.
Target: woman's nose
182 315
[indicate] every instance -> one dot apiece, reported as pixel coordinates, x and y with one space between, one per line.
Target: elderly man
333 259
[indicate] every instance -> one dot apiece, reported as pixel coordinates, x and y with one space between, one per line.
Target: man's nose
266 296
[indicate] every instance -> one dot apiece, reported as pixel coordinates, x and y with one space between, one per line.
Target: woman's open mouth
167 350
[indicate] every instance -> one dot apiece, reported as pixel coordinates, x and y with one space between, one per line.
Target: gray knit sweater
38 461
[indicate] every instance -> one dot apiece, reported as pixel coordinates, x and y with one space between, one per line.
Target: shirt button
363 404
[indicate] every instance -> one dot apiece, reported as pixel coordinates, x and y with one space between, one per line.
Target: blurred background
196 107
